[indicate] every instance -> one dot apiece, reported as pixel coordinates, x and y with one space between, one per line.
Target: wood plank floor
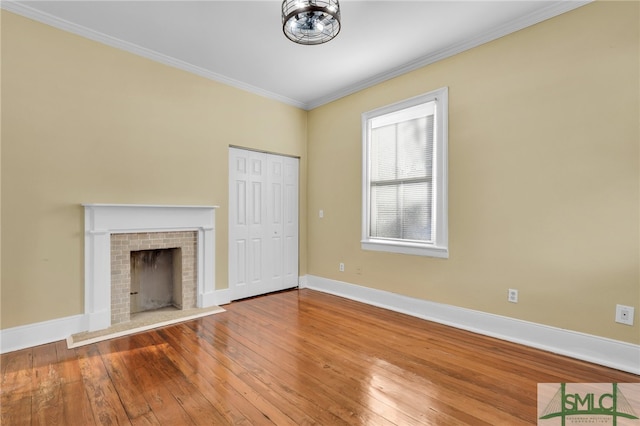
290 358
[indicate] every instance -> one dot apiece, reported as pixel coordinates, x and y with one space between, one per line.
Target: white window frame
439 247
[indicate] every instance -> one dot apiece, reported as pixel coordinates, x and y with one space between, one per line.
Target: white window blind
401 166
403 176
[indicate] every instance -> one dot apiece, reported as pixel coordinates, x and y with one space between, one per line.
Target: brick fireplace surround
121 247
124 226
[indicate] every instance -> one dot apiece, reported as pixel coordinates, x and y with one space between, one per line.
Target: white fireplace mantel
102 220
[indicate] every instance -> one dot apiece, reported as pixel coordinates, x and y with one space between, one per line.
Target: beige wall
544 177
544 167
1 13
86 123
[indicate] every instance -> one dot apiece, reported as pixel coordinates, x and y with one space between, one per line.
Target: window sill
406 248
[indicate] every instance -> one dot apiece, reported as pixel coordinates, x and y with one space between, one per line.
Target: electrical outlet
321 214
513 296
624 314
341 267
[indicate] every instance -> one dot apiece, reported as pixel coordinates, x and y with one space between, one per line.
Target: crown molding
551 11
62 24
554 9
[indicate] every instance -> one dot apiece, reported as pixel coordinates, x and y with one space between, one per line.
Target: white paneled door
263 223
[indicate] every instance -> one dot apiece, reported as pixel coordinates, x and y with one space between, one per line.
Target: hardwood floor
296 357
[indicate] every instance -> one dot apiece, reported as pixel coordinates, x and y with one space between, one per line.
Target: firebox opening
156 279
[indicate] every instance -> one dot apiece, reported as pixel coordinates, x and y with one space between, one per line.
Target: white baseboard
599 350
216 298
222 297
302 281
26 336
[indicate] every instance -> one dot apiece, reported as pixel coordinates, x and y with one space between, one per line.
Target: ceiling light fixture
310 21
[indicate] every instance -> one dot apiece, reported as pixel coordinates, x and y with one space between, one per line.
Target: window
404 190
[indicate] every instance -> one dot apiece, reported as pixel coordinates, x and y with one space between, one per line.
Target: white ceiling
240 43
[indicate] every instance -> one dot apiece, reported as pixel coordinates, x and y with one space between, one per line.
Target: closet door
290 225
263 223
275 222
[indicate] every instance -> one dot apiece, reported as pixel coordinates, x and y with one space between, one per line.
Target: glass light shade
310 21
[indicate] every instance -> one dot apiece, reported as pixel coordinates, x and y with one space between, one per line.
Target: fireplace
114 231
156 280
152 270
